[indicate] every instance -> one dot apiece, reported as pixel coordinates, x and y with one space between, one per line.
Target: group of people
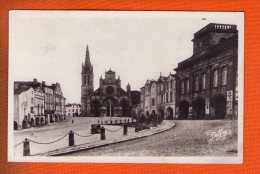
150 118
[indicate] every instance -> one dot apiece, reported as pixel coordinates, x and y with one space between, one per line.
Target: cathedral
109 99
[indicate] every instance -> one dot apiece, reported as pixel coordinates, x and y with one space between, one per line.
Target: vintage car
95 128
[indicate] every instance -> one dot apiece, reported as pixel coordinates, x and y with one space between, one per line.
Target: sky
51 45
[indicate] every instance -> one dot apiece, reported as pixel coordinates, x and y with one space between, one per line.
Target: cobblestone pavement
187 138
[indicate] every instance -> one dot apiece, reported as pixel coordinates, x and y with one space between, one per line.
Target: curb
93 145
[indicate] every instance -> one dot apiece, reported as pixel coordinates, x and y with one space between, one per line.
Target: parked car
95 128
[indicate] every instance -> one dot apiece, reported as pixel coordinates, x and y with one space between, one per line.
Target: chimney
43 83
34 80
16 85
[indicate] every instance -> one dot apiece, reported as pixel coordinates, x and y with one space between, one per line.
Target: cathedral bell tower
87 86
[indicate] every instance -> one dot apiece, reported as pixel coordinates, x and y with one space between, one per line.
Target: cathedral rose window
110 90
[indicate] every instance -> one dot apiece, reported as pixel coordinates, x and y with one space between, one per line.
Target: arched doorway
184 109
15 125
125 106
24 124
37 121
51 118
42 121
219 104
110 103
46 119
169 113
198 108
32 122
95 108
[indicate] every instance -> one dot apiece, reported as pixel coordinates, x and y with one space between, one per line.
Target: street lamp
110 108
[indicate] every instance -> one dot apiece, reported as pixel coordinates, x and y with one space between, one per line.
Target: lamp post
110 109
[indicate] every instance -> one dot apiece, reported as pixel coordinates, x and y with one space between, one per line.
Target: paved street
81 125
187 138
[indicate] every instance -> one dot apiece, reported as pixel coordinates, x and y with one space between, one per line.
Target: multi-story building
23 106
40 107
158 97
39 116
48 103
207 81
72 109
59 102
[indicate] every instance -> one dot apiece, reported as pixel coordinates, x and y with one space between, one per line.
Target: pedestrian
72 121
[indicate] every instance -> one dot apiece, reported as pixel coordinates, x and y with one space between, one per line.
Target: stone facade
158 97
109 99
73 109
207 81
23 106
41 106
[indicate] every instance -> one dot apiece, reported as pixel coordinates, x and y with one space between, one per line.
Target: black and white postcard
126 86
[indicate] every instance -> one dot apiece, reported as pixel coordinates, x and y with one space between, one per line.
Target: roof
110 72
225 43
70 104
217 28
20 90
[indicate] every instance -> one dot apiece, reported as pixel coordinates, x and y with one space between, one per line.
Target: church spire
87 58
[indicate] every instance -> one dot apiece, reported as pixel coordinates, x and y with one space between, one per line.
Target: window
171 84
197 83
153 103
161 98
187 85
171 96
203 81
182 87
215 78
88 80
167 97
84 80
224 76
32 100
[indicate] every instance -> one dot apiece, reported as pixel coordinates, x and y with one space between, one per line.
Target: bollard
125 129
137 127
71 138
103 133
26 147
